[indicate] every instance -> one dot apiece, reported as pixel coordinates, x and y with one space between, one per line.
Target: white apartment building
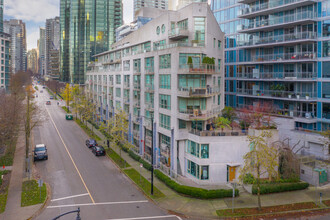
149 75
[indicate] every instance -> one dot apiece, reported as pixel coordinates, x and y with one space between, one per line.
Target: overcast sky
35 12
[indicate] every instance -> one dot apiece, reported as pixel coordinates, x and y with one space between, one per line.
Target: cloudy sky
35 12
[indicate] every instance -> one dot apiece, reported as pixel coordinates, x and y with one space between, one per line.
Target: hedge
136 157
250 179
193 191
279 187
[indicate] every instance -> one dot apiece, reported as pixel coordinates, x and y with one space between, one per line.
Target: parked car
48 103
68 117
91 143
40 152
98 151
51 97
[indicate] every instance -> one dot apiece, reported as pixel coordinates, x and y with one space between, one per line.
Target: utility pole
152 154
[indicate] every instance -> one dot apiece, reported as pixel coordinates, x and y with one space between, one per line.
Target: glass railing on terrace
267 5
198 91
278 38
278 75
177 31
280 20
179 44
198 113
277 93
204 68
280 57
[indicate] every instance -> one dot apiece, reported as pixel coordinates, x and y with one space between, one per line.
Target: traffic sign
40 182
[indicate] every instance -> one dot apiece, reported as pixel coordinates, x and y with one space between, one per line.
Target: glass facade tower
278 55
87 28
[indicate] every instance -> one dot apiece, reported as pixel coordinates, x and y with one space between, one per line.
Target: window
149 82
159 45
165 101
182 124
326 90
183 24
126 65
214 40
193 168
118 92
146 47
137 66
158 30
165 121
165 61
197 150
118 105
326 110
199 26
118 79
219 44
325 70
326 28
165 81
163 28
205 173
149 65
326 48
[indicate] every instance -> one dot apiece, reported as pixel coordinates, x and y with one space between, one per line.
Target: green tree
261 159
222 123
229 113
67 95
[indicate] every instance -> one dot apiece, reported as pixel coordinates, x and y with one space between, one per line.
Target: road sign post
40 183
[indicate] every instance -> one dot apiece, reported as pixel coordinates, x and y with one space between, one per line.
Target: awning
233 164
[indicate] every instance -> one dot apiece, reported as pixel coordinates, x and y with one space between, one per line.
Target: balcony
282 58
198 92
278 40
137 70
278 94
137 104
149 88
218 133
126 85
136 119
178 33
126 100
277 22
278 76
149 70
137 86
198 114
272 6
179 44
208 69
147 123
149 106
148 141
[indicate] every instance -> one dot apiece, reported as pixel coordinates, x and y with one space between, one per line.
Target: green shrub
193 191
133 155
249 179
146 165
279 187
66 109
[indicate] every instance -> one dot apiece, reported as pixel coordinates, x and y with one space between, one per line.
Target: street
79 179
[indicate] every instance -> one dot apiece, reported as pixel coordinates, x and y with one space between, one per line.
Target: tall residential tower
87 28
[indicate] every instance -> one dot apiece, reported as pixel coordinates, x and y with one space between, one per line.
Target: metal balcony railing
278 75
202 91
200 68
282 57
199 114
277 93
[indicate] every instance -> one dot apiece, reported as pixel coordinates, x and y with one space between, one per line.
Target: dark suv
40 152
91 143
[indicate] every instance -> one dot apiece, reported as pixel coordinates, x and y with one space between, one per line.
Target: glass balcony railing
278 75
178 32
281 57
267 5
179 44
278 39
200 68
277 93
277 20
198 113
200 91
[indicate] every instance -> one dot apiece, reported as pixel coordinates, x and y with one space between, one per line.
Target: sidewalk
207 208
13 210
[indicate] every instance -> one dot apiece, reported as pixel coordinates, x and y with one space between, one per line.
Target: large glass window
137 65
326 90
183 24
118 79
182 124
149 65
326 28
118 92
165 61
126 65
165 101
165 81
204 151
196 59
326 48
326 110
193 168
199 26
205 173
325 69
149 81
165 121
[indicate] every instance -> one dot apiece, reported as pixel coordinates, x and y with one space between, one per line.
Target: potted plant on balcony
307 96
290 95
222 123
298 96
209 63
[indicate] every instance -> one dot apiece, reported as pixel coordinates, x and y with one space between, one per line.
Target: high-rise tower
87 28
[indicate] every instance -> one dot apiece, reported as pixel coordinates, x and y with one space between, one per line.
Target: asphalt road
79 179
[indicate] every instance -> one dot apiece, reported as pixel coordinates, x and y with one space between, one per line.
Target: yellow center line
74 164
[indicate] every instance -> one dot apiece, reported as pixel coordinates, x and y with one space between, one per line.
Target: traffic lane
105 185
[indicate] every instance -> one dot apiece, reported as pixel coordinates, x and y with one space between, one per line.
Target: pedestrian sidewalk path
13 210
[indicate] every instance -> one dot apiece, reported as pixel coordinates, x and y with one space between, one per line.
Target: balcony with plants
277 76
206 67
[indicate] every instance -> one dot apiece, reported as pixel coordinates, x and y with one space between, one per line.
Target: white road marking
74 164
151 217
99 203
69 197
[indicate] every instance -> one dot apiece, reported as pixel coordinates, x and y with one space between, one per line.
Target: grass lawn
88 131
8 158
265 210
31 193
4 189
143 183
117 159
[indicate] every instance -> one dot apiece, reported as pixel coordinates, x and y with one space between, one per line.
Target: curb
46 202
